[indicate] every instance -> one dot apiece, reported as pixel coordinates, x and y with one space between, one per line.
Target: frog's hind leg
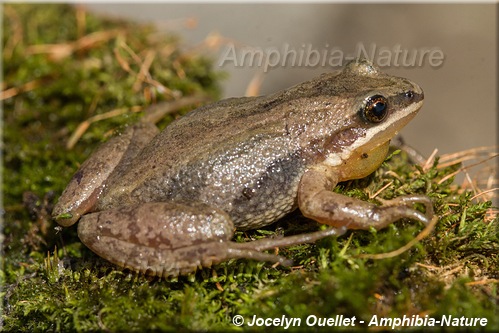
109 160
251 250
161 239
168 238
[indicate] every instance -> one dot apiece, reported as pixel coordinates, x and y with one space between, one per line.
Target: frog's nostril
409 95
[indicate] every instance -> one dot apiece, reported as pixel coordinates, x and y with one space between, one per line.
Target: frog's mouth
385 132
366 153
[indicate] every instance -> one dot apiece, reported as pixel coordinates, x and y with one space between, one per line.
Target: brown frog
166 203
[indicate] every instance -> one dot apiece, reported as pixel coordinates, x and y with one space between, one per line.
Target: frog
166 203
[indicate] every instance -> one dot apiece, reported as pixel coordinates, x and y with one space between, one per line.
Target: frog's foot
170 238
405 203
318 202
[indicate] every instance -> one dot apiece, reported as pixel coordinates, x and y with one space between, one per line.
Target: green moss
69 90
51 282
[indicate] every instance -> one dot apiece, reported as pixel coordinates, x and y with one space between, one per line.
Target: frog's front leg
167 238
317 201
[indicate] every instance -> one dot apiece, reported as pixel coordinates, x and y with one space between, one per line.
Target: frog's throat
362 163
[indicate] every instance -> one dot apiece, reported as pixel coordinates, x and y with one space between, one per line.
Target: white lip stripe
338 158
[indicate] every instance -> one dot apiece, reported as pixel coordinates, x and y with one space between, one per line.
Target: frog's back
231 155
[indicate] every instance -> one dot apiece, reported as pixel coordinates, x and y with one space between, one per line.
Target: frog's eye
375 109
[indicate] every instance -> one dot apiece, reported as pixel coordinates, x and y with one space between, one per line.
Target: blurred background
460 110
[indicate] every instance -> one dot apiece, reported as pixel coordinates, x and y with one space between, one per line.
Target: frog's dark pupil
379 109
